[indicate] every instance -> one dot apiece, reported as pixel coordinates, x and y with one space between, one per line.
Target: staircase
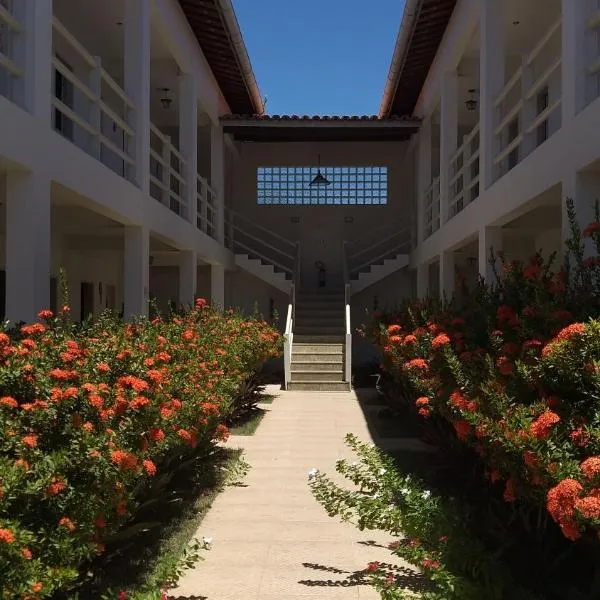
260 251
318 351
378 254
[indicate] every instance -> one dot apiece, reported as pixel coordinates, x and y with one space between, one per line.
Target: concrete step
336 357
318 366
319 386
327 376
317 339
323 350
319 330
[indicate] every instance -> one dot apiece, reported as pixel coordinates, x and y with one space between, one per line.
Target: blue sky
320 56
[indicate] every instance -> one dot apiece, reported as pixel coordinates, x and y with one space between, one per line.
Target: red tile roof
319 118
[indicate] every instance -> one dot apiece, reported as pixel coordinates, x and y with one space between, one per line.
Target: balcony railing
167 173
432 207
207 210
89 107
10 71
593 65
526 109
464 174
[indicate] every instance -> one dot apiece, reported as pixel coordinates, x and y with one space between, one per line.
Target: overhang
296 128
423 26
217 31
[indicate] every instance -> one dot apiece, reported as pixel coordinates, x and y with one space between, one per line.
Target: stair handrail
288 339
347 295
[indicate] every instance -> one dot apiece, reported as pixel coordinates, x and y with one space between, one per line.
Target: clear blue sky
320 56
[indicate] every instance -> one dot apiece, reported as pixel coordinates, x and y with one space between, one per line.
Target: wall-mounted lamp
471 102
165 98
348 219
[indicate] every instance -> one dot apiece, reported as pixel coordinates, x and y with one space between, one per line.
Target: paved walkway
271 539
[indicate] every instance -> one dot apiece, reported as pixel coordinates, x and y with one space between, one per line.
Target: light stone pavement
271 539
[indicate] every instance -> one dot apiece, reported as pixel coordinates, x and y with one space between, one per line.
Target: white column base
217 286
28 245
136 271
188 273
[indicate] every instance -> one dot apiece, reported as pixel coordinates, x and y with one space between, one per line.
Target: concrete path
271 539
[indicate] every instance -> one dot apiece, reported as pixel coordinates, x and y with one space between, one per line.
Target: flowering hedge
515 369
86 416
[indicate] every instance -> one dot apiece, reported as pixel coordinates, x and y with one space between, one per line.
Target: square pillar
489 237
423 175
422 281
574 41
188 141
217 286
584 189
28 245
447 274
137 85
136 271
448 137
188 276
492 74
217 176
33 53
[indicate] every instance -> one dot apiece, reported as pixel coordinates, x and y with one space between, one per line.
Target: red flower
571 331
156 435
422 401
201 303
392 329
45 314
30 440
571 530
26 553
373 566
462 428
417 363
7 536
9 401
541 427
150 468
428 563
505 366
410 339
590 467
530 459
561 499
440 340
589 507
592 228
425 412
67 523
579 437
124 460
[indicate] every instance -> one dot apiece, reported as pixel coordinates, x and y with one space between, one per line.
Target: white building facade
508 101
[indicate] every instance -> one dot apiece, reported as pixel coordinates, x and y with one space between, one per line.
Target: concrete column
423 174
188 276
188 140
137 84
136 271
28 245
574 38
217 175
217 286
447 274
492 73
422 281
489 237
448 136
33 53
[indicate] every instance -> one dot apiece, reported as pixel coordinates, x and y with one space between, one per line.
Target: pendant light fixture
319 179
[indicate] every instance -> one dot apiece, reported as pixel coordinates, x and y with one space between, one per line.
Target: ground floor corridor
271 540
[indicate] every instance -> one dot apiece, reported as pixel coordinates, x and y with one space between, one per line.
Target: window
348 186
542 103
513 132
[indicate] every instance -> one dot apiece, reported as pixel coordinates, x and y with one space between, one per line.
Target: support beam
490 238
217 176
28 245
448 137
447 274
188 272
136 271
137 85
217 286
492 74
188 141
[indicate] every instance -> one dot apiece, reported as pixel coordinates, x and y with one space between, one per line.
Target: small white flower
371 445
426 494
407 478
313 473
376 495
391 507
382 471
207 541
354 464
404 491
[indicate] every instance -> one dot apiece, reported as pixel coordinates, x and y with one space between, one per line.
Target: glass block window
348 186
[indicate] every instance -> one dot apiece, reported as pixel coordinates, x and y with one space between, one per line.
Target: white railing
431 207
247 237
593 60
90 107
167 173
10 71
207 210
464 174
288 341
526 109
346 273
